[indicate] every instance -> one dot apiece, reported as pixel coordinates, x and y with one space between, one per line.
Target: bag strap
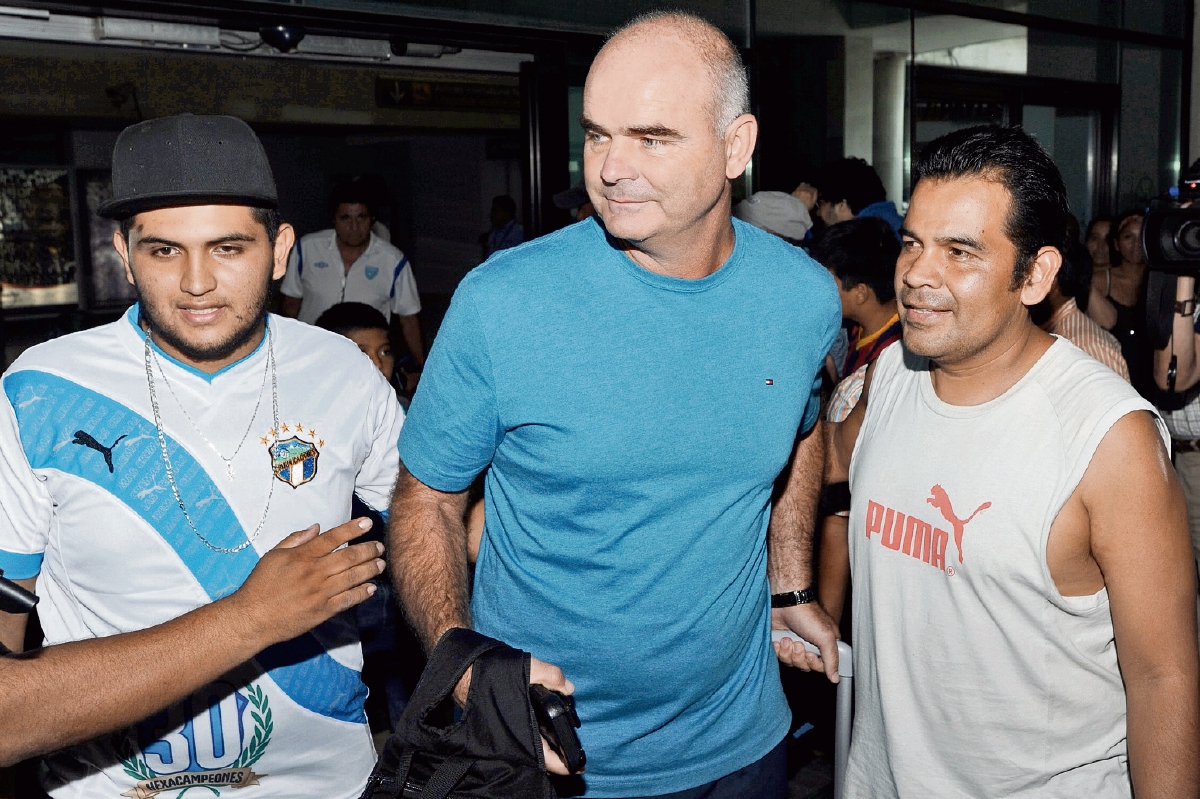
454 653
448 775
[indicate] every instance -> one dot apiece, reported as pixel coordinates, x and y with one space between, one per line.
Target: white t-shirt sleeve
405 300
291 286
26 506
377 477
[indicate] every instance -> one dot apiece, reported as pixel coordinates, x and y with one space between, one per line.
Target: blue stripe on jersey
396 275
19 566
300 667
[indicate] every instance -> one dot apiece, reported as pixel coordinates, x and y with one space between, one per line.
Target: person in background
782 213
849 188
367 328
1118 300
576 201
349 263
1063 317
506 231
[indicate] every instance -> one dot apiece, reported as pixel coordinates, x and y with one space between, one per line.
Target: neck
989 373
691 254
351 254
209 365
876 317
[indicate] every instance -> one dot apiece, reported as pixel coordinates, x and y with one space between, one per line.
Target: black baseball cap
188 160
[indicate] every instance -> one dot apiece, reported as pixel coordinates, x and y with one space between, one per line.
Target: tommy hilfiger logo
917 537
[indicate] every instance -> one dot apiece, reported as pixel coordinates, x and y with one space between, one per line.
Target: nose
198 278
917 270
619 163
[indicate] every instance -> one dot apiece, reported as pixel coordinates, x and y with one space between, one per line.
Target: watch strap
792 598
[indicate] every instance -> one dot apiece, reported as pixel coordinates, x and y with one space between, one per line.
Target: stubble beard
220 350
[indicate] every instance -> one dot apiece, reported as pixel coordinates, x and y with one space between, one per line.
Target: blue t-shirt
635 424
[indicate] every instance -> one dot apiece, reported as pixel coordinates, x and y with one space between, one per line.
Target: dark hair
852 180
1075 274
267 217
1097 221
1037 216
347 316
506 204
354 192
862 250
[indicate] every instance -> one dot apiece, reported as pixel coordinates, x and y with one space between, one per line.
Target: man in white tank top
1023 587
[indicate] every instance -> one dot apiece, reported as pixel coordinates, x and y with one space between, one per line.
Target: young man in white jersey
1023 596
150 462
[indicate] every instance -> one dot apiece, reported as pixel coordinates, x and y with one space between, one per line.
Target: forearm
793 516
834 576
410 328
1181 347
427 542
1101 309
1164 748
69 693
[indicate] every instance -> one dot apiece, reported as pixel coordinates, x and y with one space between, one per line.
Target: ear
283 248
861 293
122 248
1041 276
740 139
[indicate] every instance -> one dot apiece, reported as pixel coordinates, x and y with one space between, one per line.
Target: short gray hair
721 59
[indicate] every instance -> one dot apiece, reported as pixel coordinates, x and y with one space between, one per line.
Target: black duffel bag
493 752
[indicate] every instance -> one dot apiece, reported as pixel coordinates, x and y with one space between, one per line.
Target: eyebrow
658 131
964 241
228 238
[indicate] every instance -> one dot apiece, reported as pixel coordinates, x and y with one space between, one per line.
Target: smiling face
202 275
352 224
653 163
954 274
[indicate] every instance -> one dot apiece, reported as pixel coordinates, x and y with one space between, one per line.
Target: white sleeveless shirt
975 676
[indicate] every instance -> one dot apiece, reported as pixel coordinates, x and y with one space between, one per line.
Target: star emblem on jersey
294 459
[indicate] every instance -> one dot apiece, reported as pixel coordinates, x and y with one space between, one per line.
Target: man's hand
813 624
306 580
541 673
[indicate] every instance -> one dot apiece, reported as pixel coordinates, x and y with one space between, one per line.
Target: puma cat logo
86 440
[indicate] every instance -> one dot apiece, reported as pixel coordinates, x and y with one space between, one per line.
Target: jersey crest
216 748
371 272
294 459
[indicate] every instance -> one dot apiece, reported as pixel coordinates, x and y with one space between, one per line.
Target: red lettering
916 532
938 556
874 517
893 530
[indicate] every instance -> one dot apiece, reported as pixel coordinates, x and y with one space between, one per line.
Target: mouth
202 315
923 314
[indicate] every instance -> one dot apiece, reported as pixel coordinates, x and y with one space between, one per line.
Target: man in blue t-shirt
637 384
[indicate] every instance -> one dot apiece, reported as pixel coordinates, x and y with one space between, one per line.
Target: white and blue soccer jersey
86 506
382 277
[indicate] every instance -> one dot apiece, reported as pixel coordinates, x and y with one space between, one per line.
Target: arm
789 556
1099 307
428 544
410 328
428 541
64 694
833 578
1139 539
12 625
1182 344
290 306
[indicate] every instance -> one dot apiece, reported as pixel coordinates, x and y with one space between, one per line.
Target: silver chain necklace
257 403
162 444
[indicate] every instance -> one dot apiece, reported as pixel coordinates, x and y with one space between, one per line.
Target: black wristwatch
1185 307
791 598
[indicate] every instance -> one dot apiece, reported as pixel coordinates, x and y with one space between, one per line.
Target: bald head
730 95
